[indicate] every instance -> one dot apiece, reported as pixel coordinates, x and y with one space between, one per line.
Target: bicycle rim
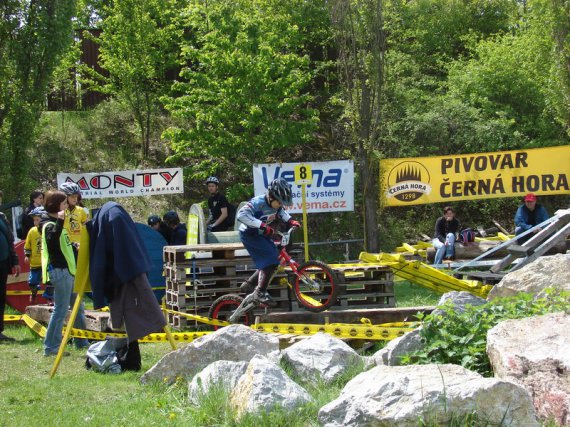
315 287
223 307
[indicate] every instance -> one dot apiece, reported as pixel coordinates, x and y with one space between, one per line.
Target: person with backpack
222 213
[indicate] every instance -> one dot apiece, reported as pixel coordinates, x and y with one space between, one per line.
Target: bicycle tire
224 306
311 299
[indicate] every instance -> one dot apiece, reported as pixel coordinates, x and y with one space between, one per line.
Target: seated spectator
528 215
446 228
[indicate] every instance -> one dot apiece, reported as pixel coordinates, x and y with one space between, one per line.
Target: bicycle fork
248 303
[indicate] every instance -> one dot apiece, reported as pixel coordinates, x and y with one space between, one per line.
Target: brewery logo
408 181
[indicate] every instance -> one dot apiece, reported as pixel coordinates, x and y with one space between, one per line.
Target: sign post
304 176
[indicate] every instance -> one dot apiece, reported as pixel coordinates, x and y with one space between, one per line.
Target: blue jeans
444 250
62 282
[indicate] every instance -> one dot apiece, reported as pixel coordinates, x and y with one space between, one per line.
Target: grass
77 396
409 294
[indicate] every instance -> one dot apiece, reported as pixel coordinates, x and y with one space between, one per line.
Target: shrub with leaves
461 337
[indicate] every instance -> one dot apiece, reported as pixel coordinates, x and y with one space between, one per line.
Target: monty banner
421 180
331 188
149 182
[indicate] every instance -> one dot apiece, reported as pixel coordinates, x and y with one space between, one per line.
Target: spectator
157 224
36 200
446 229
177 229
58 266
8 263
75 216
222 215
33 251
118 266
528 215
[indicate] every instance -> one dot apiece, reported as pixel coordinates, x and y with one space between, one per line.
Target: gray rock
265 386
235 343
401 395
460 300
545 272
398 347
321 356
223 373
535 353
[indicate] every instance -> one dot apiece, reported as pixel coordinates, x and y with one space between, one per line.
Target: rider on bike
256 234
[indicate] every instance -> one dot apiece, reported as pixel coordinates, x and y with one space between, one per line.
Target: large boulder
265 386
545 272
402 395
535 353
321 356
235 343
223 374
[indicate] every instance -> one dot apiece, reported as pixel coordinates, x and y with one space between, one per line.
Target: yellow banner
422 180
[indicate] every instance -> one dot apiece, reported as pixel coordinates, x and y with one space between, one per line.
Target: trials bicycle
314 285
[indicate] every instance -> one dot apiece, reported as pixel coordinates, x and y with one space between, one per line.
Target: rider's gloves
267 230
292 223
209 227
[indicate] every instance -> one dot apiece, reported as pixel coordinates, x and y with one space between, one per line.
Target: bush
461 337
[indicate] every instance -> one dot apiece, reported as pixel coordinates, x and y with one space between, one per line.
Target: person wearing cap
221 218
33 251
529 214
157 224
36 200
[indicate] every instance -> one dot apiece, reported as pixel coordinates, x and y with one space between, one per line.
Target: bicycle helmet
279 189
171 217
153 219
39 211
213 180
70 188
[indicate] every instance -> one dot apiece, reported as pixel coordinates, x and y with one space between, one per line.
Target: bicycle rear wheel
315 286
223 307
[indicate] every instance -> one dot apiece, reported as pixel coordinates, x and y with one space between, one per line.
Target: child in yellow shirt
32 252
75 215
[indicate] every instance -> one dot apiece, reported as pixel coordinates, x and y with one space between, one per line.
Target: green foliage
244 90
33 37
461 337
138 49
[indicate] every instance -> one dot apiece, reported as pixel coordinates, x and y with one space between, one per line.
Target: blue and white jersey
257 211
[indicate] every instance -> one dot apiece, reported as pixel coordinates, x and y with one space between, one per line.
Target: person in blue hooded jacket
529 214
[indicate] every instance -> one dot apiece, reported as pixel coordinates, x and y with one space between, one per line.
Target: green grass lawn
77 396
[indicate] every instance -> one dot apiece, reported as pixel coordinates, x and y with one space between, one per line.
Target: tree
33 36
243 95
138 49
361 42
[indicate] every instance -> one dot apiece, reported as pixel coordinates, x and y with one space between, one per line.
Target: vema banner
332 188
422 180
147 182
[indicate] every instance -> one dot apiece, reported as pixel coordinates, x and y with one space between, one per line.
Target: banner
421 180
332 188
149 182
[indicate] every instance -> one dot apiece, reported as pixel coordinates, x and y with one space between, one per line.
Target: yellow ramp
425 275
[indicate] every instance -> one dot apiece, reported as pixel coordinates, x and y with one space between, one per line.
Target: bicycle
315 288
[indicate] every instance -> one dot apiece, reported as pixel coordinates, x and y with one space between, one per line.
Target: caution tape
339 330
18 293
12 318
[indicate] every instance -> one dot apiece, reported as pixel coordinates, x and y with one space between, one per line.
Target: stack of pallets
196 275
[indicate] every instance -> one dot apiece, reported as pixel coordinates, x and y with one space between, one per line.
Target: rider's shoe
263 297
246 287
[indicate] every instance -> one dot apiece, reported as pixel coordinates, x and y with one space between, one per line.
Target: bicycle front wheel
223 307
315 286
